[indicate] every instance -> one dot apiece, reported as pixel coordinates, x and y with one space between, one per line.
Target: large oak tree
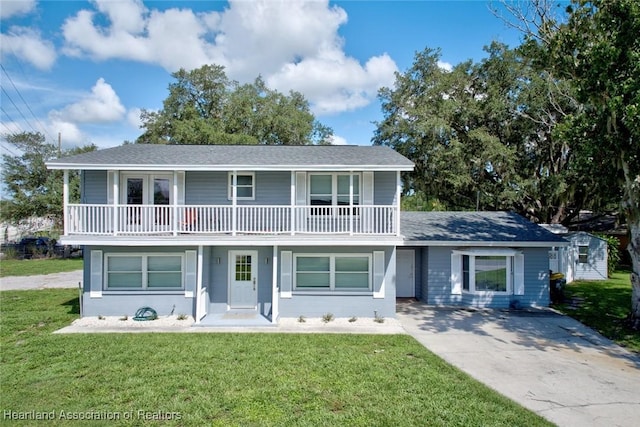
32 190
205 107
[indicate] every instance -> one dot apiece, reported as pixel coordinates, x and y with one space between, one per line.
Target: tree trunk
634 252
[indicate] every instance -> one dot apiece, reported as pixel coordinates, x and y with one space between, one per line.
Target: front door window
243 286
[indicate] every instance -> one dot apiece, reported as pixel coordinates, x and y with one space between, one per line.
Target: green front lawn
31 267
604 306
231 379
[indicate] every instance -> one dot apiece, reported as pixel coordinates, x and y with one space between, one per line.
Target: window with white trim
245 186
583 254
339 272
334 189
481 271
490 273
140 188
144 271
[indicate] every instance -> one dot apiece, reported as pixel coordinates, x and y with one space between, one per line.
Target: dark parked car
29 247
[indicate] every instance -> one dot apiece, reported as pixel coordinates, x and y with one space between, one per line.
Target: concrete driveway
68 279
549 363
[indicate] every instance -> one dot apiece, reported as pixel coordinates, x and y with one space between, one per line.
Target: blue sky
85 69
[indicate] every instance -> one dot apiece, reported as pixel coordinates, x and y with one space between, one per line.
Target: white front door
405 274
243 279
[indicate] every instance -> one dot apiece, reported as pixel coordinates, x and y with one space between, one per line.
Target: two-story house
217 230
248 234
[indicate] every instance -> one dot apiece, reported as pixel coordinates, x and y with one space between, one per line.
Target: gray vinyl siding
211 188
438 277
437 266
272 188
384 188
217 279
317 304
94 187
205 188
120 303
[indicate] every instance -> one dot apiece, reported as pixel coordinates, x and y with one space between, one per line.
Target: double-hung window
144 271
583 254
245 186
333 272
334 189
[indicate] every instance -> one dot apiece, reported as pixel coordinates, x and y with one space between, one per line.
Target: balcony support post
292 217
65 201
174 203
351 203
116 197
234 202
397 209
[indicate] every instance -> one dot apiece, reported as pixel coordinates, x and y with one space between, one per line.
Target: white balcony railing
111 220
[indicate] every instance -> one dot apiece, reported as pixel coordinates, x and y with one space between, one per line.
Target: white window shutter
518 274
301 188
456 274
181 180
286 274
367 188
95 287
378 274
190 273
110 178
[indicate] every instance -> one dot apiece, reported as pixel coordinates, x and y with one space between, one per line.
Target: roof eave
156 167
478 243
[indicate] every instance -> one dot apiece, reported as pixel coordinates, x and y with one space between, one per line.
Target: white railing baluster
100 219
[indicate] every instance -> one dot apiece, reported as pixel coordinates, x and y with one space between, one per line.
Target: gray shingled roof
472 227
224 156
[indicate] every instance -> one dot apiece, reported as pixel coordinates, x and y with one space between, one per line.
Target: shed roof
474 229
237 157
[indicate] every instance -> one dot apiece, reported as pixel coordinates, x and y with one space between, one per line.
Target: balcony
212 220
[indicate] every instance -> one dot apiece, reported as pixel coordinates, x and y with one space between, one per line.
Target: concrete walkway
549 363
42 281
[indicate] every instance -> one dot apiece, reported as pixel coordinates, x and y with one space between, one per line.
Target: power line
19 111
9 130
25 102
10 118
8 149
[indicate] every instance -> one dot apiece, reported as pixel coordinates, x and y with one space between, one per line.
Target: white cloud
133 117
445 66
28 44
293 45
338 140
9 8
70 133
100 106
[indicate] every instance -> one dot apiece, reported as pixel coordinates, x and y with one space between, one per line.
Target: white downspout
199 267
